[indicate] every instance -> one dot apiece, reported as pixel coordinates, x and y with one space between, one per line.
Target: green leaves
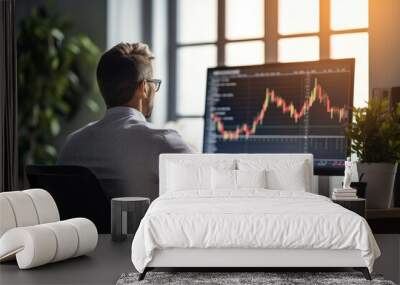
54 126
55 78
375 132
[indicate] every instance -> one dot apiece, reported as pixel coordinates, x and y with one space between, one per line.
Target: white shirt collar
122 110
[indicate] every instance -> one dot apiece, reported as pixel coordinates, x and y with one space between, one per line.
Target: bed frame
246 259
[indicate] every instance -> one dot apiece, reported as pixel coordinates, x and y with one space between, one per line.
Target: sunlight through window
354 46
245 53
244 19
190 14
295 36
347 14
298 16
192 73
298 49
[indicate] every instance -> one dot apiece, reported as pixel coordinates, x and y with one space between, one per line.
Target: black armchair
76 191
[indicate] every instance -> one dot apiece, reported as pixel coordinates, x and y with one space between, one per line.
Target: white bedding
252 218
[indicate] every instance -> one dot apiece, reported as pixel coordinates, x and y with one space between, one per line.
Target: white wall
124 21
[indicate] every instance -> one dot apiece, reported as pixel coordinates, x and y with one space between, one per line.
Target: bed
246 211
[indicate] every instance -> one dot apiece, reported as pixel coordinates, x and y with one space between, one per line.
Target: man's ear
143 86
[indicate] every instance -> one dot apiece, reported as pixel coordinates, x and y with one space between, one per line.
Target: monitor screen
300 107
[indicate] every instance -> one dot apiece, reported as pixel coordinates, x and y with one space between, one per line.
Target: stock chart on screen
281 108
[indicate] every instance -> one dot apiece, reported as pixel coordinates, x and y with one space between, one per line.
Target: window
207 33
314 29
349 38
298 28
196 50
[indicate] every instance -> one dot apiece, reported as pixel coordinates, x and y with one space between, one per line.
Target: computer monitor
302 107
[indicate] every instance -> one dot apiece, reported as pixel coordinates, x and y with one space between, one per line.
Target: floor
110 259
388 264
102 266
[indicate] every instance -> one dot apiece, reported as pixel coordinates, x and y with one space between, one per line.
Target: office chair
76 191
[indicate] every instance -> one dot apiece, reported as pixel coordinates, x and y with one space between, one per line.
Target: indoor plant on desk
375 136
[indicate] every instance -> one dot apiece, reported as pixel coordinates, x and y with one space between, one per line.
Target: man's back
122 150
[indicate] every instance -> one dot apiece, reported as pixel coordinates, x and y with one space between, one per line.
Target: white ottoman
31 232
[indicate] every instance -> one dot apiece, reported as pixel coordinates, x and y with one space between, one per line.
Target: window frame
270 40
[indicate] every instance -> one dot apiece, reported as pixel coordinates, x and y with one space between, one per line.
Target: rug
268 278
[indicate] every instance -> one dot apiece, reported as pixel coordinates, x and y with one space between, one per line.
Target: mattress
251 219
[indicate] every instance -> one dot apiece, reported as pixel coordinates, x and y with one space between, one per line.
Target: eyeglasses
157 83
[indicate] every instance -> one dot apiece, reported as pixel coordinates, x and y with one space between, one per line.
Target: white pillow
193 174
223 179
230 180
290 180
182 177
282 174
251 178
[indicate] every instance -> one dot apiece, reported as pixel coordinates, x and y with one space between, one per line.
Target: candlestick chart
262 109
317 95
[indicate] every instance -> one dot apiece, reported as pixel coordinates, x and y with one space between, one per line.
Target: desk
385 224
384 221
357 205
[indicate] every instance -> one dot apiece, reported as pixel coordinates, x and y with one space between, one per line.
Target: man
122 149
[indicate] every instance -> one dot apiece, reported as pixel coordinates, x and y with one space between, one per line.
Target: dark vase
361 188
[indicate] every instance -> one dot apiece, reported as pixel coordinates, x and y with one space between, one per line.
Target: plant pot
380 181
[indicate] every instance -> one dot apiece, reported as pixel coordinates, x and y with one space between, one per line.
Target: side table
357 205
126 214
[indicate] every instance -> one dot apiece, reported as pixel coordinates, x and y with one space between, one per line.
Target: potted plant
375 137
55 76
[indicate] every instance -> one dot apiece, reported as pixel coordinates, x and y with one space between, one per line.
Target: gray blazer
122 150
